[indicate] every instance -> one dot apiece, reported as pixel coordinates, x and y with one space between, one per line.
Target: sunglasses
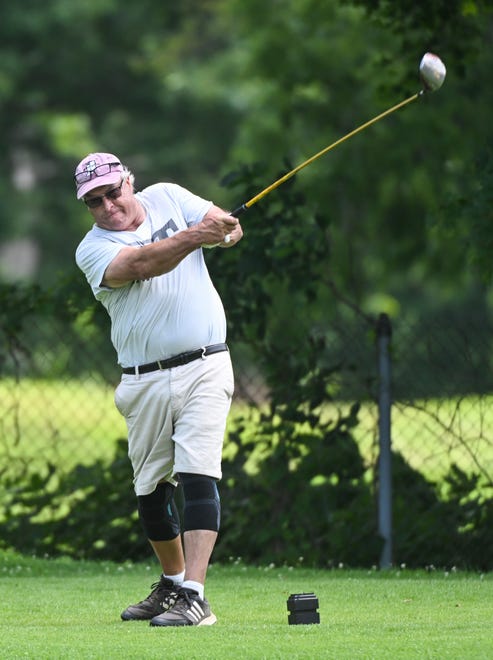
92 171
114 193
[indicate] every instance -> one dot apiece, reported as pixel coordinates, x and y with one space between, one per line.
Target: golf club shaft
273 186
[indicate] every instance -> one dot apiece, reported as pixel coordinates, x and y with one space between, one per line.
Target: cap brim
110 179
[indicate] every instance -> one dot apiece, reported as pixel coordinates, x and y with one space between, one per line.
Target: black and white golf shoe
161 598
189 610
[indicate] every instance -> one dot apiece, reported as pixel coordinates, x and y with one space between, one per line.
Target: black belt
177 360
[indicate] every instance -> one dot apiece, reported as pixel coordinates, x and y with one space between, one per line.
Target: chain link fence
442 394
57 383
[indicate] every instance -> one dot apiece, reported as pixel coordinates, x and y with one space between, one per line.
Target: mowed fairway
67 609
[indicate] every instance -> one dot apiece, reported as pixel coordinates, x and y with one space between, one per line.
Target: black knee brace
158 513
202 506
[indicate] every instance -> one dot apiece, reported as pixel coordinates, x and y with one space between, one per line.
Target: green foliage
88 514
465 220
102 84
455 531
382 188
16 304
304 479
289 467
293 492
29 314
442 26
281 265
183 92
176 90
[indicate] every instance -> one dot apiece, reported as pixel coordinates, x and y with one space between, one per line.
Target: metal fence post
384 333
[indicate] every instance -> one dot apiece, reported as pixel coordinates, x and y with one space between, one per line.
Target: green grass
66 609
432 434
68 421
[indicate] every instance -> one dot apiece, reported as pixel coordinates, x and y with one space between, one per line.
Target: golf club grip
241 209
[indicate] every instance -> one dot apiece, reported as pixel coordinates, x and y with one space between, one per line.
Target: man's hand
219 229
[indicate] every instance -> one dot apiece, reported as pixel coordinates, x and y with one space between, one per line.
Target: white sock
196 586
177 579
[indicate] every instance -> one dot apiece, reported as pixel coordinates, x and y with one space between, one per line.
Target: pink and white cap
96 170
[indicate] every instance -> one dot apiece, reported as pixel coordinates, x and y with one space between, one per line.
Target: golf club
432 73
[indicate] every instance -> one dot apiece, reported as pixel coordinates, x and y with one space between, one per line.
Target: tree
191 91
96 76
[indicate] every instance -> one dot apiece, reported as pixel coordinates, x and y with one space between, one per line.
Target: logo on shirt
169 229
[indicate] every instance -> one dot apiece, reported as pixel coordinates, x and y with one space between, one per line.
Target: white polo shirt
165 315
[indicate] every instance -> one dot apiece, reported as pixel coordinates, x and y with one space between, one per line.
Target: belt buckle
158 362
204 354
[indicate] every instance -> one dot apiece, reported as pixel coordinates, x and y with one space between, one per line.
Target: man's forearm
142 263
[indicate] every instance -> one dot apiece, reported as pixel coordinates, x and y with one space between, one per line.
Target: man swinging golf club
144 263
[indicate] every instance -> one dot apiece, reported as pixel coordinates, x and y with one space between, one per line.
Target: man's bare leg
170 555
199 544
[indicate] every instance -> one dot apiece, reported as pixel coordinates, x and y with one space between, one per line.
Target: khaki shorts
176 419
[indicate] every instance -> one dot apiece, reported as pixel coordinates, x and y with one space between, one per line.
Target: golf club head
432 72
